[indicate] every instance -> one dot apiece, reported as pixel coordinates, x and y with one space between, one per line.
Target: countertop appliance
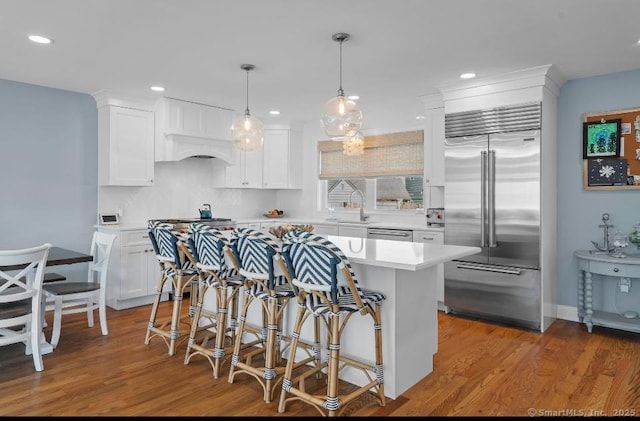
182 224
492 197
390 234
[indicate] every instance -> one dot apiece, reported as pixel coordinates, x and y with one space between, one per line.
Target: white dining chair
21 299
72 297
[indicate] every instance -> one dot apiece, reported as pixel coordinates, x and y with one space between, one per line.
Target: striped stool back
317 264
209 247
164 239
255 253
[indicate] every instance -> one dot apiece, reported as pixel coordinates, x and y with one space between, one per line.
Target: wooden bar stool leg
270 351
332 403
238 342
154 308
293 347
378 341
221 331
174 333
195 321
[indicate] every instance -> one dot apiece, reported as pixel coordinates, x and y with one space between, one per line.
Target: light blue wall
580 211
48 167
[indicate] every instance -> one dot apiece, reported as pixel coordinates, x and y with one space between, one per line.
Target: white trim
567 313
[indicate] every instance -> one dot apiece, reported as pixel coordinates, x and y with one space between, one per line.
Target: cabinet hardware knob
616 270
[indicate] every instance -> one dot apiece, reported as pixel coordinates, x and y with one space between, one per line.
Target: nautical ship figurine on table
606 248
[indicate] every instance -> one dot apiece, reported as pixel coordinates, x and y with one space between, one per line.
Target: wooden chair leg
89 304
102 312
57 321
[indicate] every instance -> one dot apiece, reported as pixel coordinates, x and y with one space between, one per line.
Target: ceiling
398 51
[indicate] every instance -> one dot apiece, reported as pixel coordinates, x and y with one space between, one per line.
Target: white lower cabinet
260 226
435 237
133 270
325 230
352 231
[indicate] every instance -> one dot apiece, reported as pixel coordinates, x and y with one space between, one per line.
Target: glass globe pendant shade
341 117
353 146
246 131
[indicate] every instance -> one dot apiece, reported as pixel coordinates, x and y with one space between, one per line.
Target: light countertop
403 255
278 221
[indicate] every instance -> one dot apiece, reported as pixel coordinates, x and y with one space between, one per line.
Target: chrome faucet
363 217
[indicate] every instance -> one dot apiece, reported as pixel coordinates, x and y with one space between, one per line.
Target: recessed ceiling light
467 75
274 112
419 117
40 39
157 88
353 97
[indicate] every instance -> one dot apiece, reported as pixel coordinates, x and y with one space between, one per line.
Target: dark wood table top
58 256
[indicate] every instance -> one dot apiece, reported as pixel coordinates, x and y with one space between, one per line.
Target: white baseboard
567 313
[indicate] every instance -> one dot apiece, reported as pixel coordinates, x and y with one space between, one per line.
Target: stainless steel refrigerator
492 201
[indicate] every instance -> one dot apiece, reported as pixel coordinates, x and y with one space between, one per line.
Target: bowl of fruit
274 213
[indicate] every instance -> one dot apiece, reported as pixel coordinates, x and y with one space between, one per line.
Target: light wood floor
480 369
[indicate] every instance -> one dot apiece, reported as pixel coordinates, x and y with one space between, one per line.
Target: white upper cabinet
276 165
433 140
282 159
247 173
125 143
185 129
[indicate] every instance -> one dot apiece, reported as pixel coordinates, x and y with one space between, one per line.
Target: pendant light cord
340 91
246 111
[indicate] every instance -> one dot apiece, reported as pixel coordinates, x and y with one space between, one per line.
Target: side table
603 264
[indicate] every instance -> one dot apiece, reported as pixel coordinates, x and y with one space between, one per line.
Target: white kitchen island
406 273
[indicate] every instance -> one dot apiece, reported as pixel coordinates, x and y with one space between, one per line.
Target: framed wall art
601 139
611 150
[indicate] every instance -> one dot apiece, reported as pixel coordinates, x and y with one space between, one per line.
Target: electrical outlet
625 284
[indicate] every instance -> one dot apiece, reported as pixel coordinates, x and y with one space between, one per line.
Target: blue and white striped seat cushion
314 260
208 248
282 290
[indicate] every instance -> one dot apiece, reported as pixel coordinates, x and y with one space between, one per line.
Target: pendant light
341 116
353 146
246 130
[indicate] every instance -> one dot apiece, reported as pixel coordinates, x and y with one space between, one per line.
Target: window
389 176
388 193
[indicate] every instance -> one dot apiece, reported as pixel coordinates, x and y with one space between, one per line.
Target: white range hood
187 129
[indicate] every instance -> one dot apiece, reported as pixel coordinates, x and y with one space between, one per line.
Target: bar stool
175 266
256 254
326 286
217 273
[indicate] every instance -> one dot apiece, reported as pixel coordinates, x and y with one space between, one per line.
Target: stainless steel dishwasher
390 234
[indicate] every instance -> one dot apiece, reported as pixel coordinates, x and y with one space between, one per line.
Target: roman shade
393 154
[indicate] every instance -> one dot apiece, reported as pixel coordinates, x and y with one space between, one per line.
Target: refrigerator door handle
489 268
483 198
491 198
